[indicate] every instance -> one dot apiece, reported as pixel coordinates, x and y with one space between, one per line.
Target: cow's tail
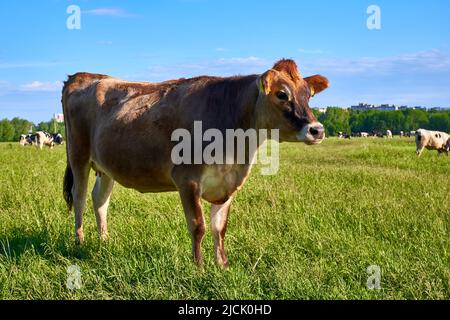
67 187
68 175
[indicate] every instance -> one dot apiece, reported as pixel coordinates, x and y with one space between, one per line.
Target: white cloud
247 61
218 67
411 63
105 42
310 51
36 64
221 49
5 87
41 86
111 12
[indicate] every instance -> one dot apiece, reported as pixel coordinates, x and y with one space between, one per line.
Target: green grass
308 232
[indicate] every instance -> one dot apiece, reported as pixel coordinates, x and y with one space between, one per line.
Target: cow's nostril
317 132
314 131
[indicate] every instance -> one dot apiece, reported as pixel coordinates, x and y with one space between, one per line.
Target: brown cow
123 131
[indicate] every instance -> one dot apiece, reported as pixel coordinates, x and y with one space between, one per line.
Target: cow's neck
248 118
247 115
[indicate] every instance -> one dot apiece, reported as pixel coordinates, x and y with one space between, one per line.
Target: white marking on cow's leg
79 192
419 151
101 194
219 220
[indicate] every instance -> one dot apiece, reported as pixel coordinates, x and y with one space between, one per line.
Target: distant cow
58 138
377 133
363 134
402 134
25 140
124 131
342 135
389 134
432 140
44 139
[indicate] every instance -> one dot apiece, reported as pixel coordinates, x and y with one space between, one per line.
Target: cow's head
23 140
421 140
284 102
58 138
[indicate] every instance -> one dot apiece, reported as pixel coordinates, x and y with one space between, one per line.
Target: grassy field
309 232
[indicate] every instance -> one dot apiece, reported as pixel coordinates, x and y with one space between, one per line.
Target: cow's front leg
219 220
191 200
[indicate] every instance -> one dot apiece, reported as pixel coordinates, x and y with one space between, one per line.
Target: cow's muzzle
312 133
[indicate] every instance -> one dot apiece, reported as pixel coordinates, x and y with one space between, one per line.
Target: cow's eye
282 96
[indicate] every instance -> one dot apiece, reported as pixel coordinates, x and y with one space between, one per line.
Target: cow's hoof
104 237
79 238
224 267
199 264
222 264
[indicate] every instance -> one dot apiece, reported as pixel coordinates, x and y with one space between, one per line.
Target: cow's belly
145 167
220 182
149 179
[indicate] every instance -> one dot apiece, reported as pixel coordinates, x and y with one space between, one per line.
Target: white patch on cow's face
287 90
305 135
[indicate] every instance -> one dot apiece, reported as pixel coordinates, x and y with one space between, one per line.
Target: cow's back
123 128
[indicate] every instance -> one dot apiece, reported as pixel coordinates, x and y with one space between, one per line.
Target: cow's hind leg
101 195
79 193
219 220
190 195
190 198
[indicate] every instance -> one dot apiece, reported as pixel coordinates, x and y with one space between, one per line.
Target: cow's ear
265 81
317 84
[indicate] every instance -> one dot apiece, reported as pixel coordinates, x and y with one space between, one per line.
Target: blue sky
406 62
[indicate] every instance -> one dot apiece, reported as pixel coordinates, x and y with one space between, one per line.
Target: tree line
337 120
10 130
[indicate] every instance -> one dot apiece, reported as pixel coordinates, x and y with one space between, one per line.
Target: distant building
321 110
59 117
386 107
362 107
382 107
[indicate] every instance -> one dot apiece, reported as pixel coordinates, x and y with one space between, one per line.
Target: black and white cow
58 138
27 139
44 139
